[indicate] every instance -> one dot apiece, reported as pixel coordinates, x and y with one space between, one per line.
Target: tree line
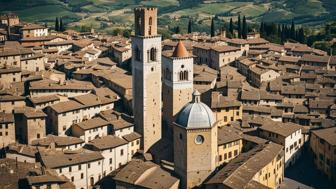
273 32
241 27
282 32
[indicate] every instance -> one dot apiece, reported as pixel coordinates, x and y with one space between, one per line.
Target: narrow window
150 21
181 76
153 54
185 75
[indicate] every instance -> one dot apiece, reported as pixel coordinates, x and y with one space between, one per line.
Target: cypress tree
231 26
262 29
212 28
279 31
239 27
288 32
244 31
273 29
56 24
292 30
61 27
301 36
190 26
266 29
285 31
282 35
177 30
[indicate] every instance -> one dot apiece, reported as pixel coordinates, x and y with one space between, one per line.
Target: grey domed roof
196 114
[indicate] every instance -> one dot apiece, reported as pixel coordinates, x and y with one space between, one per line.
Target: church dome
180 51
196 114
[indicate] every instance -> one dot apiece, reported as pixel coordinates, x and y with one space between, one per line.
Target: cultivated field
106 15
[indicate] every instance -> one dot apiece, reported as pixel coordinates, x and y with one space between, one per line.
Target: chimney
223 32
16 163
8 33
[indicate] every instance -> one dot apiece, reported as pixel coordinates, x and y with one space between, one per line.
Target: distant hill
107 15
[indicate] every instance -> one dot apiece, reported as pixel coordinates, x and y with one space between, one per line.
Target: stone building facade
322 145
33 30
230 144
287 134
9 102
90 129
83 169
9 75
113 149
261 167
7 129
9 20
216 56
226 110
30 125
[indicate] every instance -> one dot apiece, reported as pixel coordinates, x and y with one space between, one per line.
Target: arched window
92 181
181 76
185 75
153 54
150 21
137 54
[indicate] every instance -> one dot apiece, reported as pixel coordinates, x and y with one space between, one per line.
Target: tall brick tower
146 69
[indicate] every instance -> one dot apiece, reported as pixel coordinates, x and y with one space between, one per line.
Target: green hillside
106 15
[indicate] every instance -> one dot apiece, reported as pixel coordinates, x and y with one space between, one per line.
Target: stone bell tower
177 87
146 70
195 143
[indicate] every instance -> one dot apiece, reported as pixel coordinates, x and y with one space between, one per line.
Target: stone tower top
180 51
196 115
145 21
196 97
